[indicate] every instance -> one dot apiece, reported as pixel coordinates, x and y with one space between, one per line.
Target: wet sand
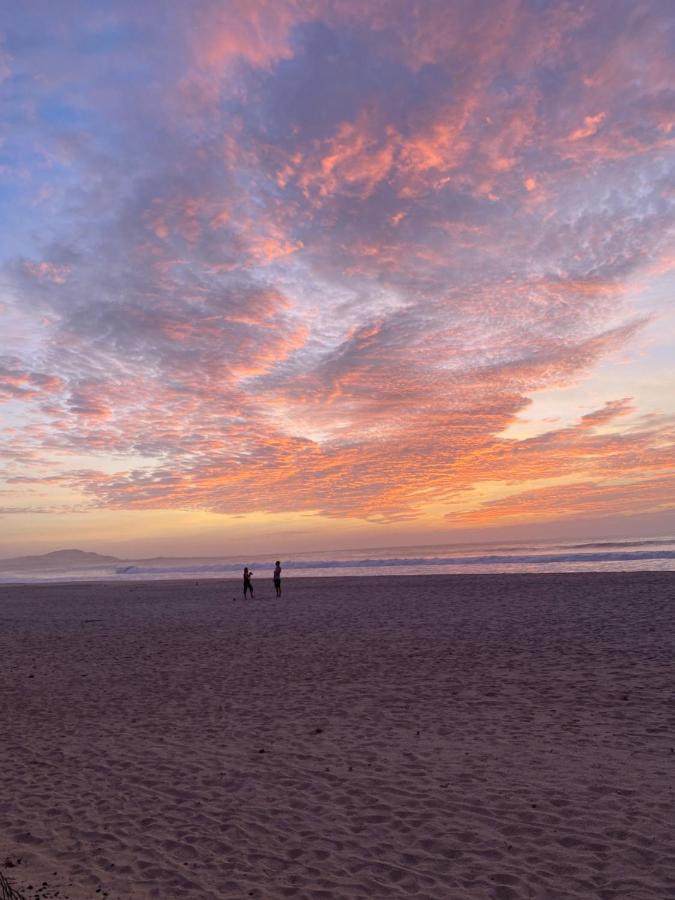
434 737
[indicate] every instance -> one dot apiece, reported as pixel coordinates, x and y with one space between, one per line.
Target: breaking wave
213 569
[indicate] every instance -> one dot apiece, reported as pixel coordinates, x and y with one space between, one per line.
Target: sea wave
392 563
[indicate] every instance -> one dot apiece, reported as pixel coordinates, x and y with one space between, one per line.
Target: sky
303 274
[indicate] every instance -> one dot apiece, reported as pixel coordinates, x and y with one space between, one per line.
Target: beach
487 736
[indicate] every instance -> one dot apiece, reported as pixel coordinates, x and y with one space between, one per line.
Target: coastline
121 581
635 555
451 736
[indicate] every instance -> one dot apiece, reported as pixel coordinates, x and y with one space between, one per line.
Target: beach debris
7 892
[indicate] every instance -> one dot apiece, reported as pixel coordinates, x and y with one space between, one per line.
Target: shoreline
468 576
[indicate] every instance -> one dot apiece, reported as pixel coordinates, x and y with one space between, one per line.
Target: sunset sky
295 274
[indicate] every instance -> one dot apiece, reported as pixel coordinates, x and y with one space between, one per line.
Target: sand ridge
433 737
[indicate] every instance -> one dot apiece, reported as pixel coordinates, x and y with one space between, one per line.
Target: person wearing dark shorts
247 583
277 578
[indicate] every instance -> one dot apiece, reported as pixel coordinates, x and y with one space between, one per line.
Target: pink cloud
325 254
257 31
16 383
45 271
589 128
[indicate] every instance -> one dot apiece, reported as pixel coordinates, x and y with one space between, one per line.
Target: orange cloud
582 500
330 251
609 412
354 161
589 128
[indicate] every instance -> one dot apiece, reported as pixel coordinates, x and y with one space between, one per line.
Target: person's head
277 563
245 568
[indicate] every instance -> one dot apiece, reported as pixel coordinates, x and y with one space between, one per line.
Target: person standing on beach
277 578
247 583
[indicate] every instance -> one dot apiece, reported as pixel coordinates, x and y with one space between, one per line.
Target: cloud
580 500
47 271
16 383
608 413
257 31
319 256
589 128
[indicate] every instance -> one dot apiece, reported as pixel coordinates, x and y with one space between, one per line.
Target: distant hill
58 559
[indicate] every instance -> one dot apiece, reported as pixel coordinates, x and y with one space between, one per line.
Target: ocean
652 554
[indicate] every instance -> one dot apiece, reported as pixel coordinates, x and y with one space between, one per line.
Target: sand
432 737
